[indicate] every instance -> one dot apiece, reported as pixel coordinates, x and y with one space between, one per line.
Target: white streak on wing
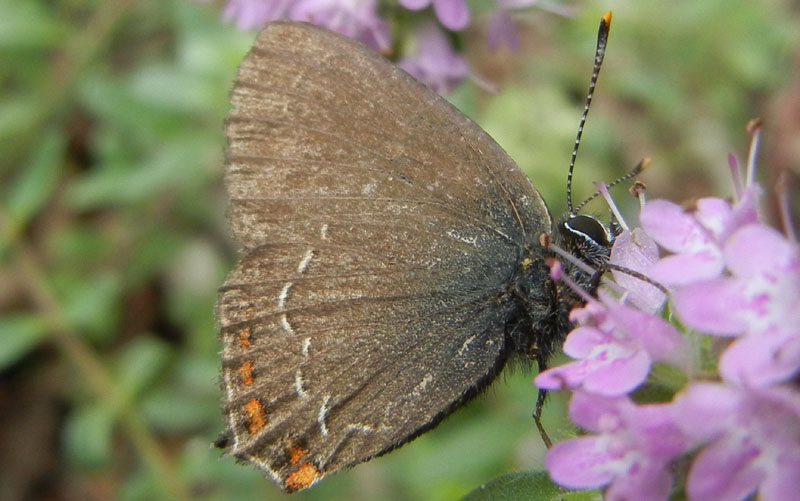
304 262
285 325
298 384
464 346
323 412
283 295
360 427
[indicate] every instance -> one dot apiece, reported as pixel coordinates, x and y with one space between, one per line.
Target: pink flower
453 14
760 301
357 19
753 441
436 63
696 238
248 14
616 352
697 254
629 450
502 31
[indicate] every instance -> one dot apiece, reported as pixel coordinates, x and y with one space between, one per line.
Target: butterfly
393 258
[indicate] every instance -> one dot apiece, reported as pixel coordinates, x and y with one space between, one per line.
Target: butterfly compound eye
589 228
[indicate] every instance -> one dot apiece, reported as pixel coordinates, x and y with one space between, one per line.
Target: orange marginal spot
244 337
304 476
246 370
296 453
258 416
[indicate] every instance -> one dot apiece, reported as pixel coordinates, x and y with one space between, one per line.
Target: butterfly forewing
381 230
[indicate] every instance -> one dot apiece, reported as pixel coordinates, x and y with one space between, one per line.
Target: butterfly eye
588 228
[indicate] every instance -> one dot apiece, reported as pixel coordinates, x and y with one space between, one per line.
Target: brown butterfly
392 259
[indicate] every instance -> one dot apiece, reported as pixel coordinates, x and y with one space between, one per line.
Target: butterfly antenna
642 165
599 53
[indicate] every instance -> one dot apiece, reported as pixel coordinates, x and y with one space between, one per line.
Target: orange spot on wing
244 337
296 453
306 475
246 371
258 416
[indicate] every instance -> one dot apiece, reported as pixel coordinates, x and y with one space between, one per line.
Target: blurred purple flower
435 63
249 14
754 441
357 19
502 31
629 450
761 301
453 14
615 354
501 28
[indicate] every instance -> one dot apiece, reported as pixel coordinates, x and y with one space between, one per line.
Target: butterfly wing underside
381 228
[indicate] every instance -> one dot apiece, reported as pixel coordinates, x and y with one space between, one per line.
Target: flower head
759 300
753 441
615 347
628 450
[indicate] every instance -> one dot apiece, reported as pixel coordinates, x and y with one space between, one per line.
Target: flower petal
783 482
714 214
682 269
649 482
617 375
756 249
756 361
672 227
716 307
638 252
578 463
704 410
569 375
660 339
453 14
588 409
724 471
582 340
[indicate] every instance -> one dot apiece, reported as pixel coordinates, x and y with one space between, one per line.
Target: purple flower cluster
729 276
436 62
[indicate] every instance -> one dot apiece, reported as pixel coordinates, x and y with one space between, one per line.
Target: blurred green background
114 236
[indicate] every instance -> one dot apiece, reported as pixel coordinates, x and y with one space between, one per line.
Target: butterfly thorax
543 321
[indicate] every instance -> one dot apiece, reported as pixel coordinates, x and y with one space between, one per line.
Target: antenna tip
607 19
645 163
754 126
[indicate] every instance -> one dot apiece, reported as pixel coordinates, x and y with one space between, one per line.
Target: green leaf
19 114
29 24
90 303
521 485
143 360
36 182
19 334
87 436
